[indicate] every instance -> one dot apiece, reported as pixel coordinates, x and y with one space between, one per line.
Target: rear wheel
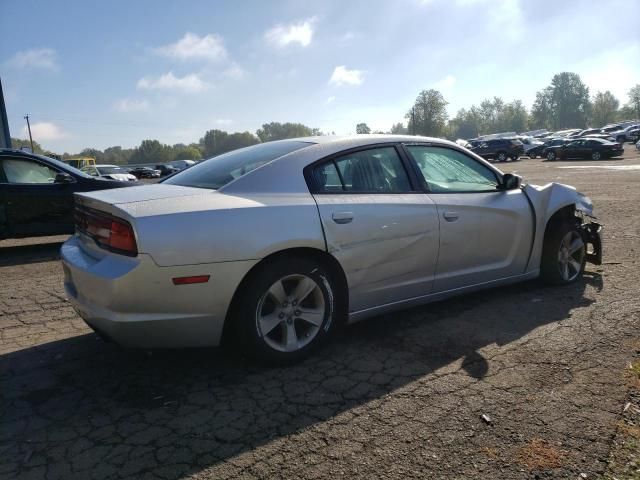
596 155
287 309
563 253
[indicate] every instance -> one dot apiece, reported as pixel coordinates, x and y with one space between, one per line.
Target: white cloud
343 76
283 35
596 71
191 83
445 83
331 99
130 105
234 72
224 121
192 47
45 58
43 131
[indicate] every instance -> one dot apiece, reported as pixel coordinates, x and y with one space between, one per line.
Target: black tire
532 156
254 296
596 155
551 156
502 156
550 265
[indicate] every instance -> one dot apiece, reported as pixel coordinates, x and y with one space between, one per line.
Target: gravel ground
519 382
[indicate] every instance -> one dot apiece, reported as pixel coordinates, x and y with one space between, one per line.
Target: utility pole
413 120
26 117
5 136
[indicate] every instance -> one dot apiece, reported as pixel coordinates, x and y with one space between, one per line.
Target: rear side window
377 170
218 171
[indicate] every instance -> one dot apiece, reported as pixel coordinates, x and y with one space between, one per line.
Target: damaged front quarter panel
550 199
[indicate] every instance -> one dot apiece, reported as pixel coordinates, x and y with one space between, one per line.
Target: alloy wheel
595 155
571 256
291 313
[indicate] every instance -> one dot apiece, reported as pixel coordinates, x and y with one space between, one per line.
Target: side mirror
63 178
511 182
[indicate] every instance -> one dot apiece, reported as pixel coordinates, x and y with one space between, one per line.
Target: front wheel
502 157
287 310
551 156
563 253
596 156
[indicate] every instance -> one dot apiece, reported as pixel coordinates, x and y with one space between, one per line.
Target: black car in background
36 194
166 170
593 148
145 172
500 149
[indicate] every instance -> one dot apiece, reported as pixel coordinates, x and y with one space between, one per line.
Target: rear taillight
110 233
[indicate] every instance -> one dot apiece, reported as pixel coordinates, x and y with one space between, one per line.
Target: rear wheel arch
322 257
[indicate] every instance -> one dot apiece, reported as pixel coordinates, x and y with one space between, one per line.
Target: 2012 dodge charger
276 244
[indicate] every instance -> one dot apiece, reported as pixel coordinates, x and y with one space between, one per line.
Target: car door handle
450 216
342 217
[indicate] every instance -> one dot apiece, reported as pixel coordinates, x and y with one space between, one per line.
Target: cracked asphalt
399 396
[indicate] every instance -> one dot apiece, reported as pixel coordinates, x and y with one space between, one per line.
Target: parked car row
593 143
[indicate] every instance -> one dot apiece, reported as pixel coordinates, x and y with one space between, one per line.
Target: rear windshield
110 170
216 172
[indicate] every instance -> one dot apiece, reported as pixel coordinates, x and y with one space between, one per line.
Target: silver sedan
275 245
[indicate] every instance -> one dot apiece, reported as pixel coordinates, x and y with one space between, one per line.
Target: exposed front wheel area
564 252
570 256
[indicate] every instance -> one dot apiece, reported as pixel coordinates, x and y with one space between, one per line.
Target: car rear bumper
134 302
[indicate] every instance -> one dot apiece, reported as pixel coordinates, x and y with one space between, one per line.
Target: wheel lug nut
281 315
297 313
294 303
285 304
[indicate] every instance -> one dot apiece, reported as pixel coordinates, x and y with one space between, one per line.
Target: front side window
447 170
26 171
377 170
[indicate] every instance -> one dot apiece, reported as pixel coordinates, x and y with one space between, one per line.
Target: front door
33 203
485 233
379 226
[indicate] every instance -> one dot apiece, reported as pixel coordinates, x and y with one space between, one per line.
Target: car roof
107 165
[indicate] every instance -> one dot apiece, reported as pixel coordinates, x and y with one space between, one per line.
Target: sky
97 74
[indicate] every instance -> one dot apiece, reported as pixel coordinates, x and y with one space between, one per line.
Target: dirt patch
540 455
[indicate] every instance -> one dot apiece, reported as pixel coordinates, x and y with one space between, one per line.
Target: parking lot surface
525 381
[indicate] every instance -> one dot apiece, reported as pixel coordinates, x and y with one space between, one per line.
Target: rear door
485 233
33 204
378 224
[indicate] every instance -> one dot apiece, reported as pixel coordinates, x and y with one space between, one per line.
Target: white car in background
112 172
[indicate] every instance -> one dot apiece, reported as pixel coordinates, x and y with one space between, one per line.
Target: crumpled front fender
548 200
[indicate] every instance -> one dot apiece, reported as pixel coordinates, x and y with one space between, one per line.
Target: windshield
110 170
216 172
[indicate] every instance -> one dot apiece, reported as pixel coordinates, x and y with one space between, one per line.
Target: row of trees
214 142
565 103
